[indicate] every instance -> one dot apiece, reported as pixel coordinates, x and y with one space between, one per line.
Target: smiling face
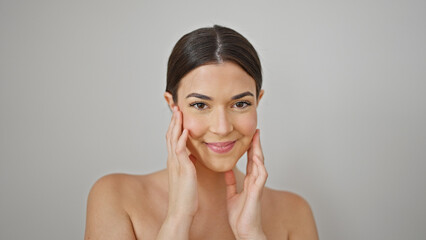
218 103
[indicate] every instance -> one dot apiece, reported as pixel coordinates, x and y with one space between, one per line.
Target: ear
260 96
169 99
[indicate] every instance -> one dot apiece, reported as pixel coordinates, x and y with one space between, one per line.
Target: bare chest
148 209
148 218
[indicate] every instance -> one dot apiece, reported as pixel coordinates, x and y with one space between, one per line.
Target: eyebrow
198 95
241 95
202 96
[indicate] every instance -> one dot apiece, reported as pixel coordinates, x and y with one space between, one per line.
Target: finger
181 145
256 185
257 148
177 128
172 122
249 166
249 159
192 158
169 130
263 174
255 171
171 159
231 184
246 182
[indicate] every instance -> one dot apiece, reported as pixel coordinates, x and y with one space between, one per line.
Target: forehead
222 79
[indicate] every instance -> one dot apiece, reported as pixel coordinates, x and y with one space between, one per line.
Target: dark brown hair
211 45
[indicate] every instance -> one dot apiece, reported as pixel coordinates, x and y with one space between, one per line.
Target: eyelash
196 105
246 104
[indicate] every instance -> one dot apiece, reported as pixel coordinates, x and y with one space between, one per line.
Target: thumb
231 184
192 158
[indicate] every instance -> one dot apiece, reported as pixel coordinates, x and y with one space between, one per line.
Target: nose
220 122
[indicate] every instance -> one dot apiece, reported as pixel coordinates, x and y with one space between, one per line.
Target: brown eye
242 105
199 105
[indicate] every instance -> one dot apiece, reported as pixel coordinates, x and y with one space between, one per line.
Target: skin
201 194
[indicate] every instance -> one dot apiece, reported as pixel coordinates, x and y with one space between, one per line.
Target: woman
213 88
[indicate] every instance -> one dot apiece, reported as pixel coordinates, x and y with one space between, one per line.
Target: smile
221 147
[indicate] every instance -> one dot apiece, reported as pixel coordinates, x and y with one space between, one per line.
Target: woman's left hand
244 208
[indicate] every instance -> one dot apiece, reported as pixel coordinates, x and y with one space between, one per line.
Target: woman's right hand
183 194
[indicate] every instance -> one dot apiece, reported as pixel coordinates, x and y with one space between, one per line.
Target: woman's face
218 103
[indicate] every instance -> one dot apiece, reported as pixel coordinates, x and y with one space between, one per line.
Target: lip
221 147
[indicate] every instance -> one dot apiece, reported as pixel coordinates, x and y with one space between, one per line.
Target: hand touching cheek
244 208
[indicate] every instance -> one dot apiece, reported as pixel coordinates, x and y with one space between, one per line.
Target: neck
212 187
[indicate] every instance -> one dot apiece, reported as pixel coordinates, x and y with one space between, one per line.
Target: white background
343 116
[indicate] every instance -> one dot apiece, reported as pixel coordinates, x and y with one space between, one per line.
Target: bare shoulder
295 213
115 189
106 217
112 184
120 188
108 205
290 202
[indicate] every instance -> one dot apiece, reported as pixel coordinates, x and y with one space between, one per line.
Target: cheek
194 124
247 124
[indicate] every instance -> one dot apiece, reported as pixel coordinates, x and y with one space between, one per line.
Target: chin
222 165
218 163
218 169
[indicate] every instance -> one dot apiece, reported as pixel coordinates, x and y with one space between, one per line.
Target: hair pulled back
211 45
